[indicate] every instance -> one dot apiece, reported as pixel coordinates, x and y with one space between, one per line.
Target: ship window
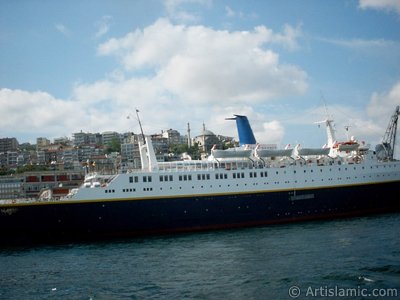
130 179
161 178
185 177
190 177
203 176
226 176
106 191
136 179
198 177
180 177
216 176
234 175
251 175
208 176
146 178
171 178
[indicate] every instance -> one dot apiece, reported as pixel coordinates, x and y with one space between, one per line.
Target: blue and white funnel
245 132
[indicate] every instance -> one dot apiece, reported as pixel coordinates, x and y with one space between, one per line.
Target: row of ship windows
265 183
136 179
165 178
129 190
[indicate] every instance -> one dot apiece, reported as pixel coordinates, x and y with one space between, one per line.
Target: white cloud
178 9
62 29
381 5
382 49
382 105
36 112
229 12
200 64
41 114
103 26
273 132
174 74
363 44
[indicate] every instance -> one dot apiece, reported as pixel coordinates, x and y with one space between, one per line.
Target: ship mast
329 125
141 128
389 138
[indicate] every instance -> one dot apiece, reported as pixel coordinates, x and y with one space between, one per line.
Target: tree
114 146
193 151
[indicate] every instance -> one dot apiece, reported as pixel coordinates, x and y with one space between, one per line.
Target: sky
67 66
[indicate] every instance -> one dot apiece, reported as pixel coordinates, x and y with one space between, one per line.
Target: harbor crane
389 138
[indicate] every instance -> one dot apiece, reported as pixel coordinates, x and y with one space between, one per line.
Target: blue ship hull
58 221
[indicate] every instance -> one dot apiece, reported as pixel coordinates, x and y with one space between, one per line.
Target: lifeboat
346 146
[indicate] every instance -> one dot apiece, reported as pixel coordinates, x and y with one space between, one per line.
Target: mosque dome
208 133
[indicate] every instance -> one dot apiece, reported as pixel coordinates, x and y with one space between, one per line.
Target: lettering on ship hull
9 211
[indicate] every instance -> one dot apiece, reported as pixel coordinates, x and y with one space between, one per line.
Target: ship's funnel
245 132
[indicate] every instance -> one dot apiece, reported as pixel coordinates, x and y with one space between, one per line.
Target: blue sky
68 66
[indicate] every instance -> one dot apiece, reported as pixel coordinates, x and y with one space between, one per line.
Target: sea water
355 258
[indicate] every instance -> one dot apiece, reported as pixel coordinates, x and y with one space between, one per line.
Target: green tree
193 151
114 146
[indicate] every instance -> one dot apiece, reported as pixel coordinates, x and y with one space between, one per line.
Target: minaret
188 134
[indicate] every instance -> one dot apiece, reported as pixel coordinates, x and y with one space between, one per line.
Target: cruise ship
251 185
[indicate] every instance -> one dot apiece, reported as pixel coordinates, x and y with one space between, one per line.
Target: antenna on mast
347 127
325 107
140 124
330 129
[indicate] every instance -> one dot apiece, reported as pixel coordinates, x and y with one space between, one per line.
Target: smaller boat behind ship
246 186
